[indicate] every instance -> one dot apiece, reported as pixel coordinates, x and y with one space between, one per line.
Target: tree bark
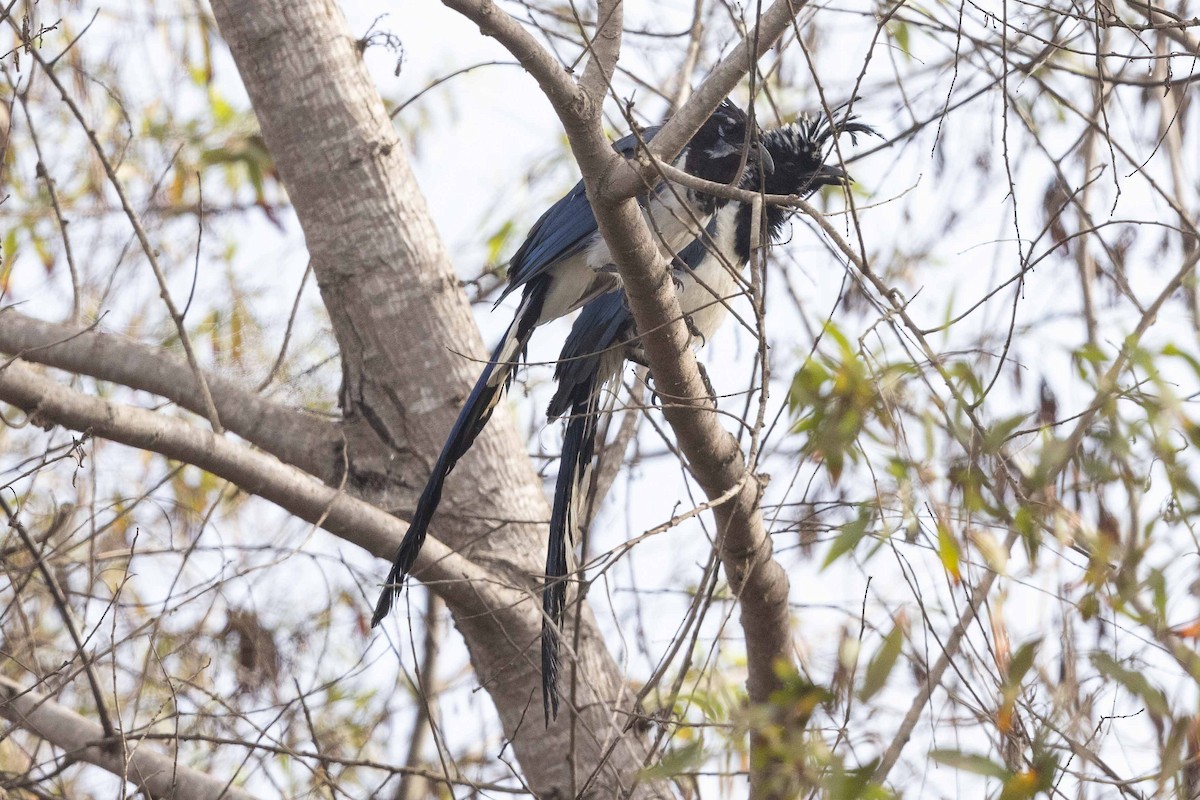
399 317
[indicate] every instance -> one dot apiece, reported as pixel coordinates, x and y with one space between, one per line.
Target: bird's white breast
713 283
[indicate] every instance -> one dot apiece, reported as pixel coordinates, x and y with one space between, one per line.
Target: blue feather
565 229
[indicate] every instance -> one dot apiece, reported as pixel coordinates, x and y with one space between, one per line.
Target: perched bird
564 263
604 336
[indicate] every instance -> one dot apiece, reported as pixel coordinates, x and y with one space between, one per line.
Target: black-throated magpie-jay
562 264
602 337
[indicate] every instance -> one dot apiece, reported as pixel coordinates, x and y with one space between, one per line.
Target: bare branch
294 437
68 618
357 522
158 774
210 410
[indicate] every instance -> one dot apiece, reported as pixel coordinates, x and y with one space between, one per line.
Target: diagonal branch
713 454
714 457
257 473
292 436
157 774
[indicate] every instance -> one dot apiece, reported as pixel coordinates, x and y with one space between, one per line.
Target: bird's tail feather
579 443
489 389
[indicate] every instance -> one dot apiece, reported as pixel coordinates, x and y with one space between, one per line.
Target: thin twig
64 610
143 238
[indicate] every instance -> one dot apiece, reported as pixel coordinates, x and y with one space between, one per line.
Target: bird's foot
655 400
677 279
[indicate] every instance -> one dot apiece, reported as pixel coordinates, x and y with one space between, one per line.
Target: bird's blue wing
564 230
604 323
627 144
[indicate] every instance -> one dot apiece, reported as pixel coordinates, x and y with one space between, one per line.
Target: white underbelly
706 296
711 286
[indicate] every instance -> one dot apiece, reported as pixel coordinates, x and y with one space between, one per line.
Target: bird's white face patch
724 148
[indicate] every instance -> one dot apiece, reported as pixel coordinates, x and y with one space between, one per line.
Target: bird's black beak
830 175
766 163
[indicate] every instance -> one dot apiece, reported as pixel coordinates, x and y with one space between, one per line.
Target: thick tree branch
713 455
357 522
300 439
158 774
605 47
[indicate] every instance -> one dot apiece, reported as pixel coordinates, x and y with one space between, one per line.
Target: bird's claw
654 398
694 331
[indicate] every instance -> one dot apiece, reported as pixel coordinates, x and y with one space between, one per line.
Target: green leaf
1173 350
998 434
967 762
1135 682
849 536
900 31
1020 663
684 759
882 663
8 257
948 551
223 113
854 784
496 242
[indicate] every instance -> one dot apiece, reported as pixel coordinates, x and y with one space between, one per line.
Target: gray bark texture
400 317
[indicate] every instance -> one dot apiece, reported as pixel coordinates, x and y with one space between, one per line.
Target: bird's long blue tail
579 443
591 355
489 389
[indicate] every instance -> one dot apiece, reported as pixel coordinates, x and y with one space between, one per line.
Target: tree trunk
399 318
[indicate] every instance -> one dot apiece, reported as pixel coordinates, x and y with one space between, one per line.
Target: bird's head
798 151
715 152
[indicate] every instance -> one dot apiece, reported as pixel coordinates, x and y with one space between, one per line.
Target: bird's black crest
799 151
